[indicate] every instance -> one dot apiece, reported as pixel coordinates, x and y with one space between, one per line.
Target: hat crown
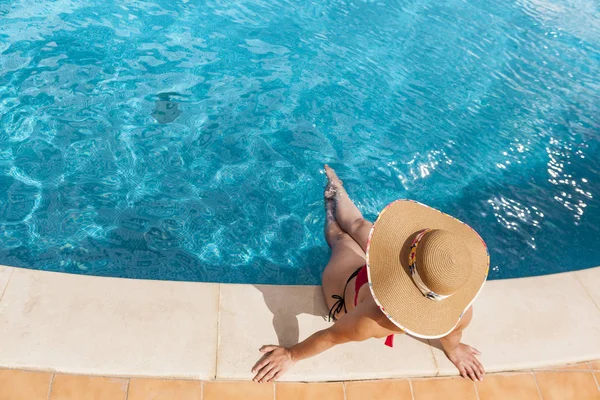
444 262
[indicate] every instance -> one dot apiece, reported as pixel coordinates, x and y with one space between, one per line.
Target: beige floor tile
391 389
567 385
530 323
79 387
513 387
286 314
5 273
444 388
164 389
309 391
24 385
595 365
106 326
590 279
238 391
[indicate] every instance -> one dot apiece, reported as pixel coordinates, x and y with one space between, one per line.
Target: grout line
274 391
537 385
218 332
597 383
585 290
50 387
476 391
127 390
201 390
344 389
437 368
7 282
565 371
118 376
412 394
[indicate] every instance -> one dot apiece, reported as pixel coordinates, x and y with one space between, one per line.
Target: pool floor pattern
576 381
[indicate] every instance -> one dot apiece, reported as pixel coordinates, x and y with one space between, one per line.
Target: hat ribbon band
414 271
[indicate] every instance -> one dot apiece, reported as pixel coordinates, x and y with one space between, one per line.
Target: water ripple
185 140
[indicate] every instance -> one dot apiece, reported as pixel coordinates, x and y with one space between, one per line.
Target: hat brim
390 281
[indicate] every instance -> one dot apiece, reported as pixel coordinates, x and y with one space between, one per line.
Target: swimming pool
185 140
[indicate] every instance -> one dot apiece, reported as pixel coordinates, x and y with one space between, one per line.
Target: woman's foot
332 228
329 196
347 216
333 181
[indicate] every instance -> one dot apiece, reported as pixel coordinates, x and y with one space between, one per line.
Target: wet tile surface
70 387
238 391
309 391
567 385
379 390
444 388
513 387
24 385
164 389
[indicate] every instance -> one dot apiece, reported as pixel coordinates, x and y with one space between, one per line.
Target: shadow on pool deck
286 312
287 303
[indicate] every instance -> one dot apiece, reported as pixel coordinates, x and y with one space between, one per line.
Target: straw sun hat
425 267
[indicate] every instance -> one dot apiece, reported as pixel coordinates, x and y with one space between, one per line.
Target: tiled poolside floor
577 382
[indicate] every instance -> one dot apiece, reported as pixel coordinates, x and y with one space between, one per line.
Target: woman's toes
332 176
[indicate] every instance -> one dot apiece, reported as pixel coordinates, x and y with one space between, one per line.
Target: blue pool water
185 140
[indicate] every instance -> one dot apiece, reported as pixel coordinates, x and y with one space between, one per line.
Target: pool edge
139 328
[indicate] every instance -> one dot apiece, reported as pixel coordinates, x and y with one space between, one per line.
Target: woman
415 271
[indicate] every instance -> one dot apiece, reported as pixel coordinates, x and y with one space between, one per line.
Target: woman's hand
273 364
463 357
356 326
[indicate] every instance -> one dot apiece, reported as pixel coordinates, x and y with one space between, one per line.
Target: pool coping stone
80 324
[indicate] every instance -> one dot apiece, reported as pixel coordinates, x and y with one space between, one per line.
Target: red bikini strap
389 341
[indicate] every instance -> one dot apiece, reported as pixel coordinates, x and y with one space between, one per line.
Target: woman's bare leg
332 228
346 254
347 215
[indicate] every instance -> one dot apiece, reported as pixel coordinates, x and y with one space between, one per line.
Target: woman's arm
461 355
355 326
